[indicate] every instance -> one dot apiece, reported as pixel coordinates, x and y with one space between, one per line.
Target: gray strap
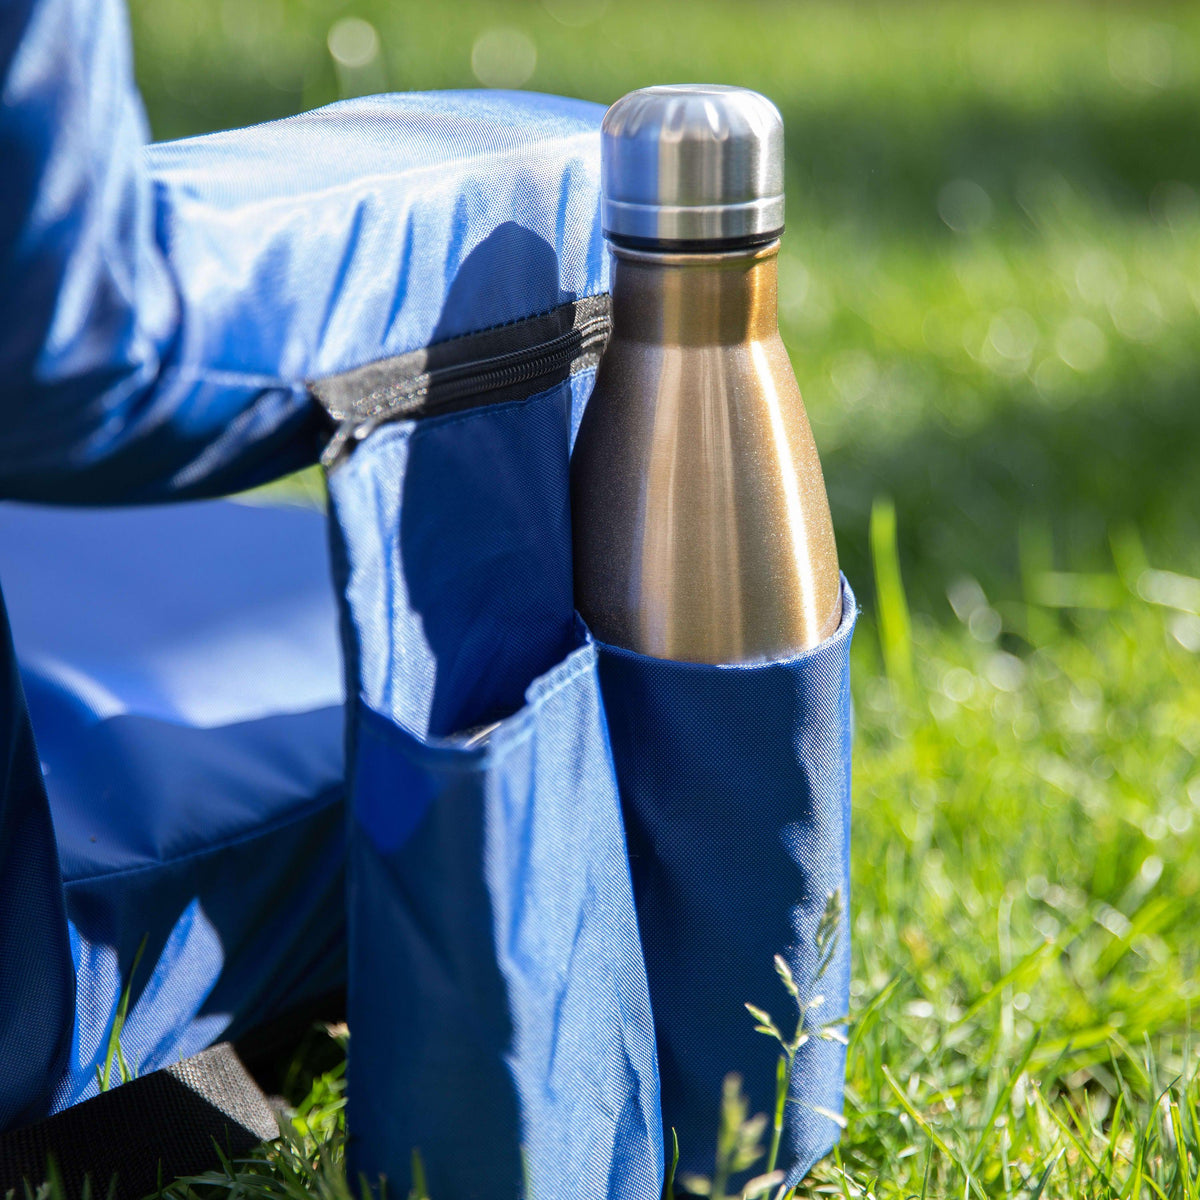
156 1127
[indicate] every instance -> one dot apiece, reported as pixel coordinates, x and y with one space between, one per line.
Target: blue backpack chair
567 867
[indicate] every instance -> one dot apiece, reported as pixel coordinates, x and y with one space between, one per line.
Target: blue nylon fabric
119 383
163 305
184 680
497 992
161 308
36 998
735 782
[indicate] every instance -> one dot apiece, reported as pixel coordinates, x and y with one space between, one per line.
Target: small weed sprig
739 1135
114 1051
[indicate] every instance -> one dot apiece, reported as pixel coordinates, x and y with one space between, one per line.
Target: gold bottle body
701 525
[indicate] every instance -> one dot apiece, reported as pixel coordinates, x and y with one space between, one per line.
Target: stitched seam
465 337
161 174
466 758
329 797
414 426
220 375
850 615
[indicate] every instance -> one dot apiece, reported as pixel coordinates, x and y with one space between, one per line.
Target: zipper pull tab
348 434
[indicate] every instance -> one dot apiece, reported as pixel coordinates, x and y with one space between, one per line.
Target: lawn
991 293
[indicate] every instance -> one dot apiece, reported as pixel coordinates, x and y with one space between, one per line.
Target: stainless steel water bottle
701 525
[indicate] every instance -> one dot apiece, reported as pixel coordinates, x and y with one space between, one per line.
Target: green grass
991 292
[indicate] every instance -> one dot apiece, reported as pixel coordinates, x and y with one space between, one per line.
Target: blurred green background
990 288
991 276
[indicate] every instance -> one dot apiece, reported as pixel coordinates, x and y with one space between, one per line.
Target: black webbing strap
156 1127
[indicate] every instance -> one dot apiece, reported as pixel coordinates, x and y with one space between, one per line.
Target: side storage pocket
499 1016
735 782
498 1008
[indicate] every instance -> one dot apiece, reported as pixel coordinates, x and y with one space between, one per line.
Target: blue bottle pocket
735 783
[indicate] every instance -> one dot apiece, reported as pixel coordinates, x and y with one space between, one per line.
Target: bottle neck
712 298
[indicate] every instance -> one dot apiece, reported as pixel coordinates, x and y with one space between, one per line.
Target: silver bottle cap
692 163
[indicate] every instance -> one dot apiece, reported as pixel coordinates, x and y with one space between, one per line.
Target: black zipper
468 372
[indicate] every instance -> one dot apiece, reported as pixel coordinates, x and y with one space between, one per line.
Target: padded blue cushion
184 680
